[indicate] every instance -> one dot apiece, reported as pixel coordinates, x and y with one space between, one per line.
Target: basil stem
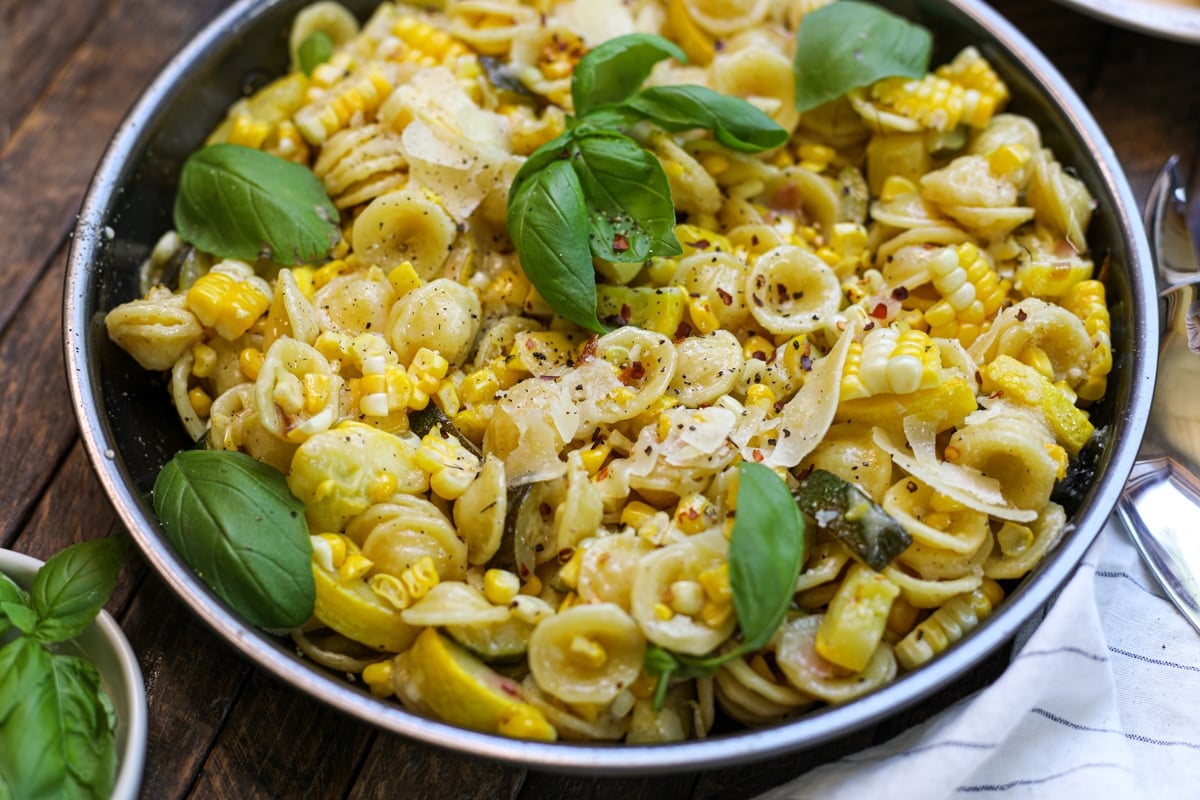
232 518
766 552
238 202
849 44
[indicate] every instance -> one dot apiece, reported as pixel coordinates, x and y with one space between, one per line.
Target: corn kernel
378 678
636 514
1008 158
593 457
381 486
480 386
702 316
204 360
446 398
404 278
201 402
693 514
715 614
500 586
894 186
472 422
330 548
328 272
687 597
757 347
716 584
355 566
663 611
250 362
533 586
761 396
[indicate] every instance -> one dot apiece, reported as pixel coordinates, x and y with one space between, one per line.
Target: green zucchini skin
844 511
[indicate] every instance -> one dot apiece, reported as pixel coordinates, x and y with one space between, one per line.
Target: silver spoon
1160 505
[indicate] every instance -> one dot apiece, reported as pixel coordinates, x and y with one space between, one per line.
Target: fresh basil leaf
615 69
630 212
238 202
21 616
73 585
56 725
234 521
557 149
315 50
11 597
548 223
849 44
766 552
735 123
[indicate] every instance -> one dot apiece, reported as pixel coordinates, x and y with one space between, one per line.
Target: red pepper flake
510 689
757 455
900 293
725 296
911 486
634 372
1021 315
620 244
779 404
588 351
626 311
602 473
566 554
978 377
759 355
880 311
700 244
530 344
545 510
682 332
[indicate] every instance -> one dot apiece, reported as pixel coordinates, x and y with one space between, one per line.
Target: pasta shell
790 291
479 513
587 653
156 330
652 585
796 654
442 315
335 473
708 368
761 76
399 533
355 303
453 603
404 226
291 404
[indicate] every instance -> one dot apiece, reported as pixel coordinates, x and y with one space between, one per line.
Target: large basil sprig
234 521
626 199
766 552
849 44
238 202
56 723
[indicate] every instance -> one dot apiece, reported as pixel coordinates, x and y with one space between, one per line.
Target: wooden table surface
219 727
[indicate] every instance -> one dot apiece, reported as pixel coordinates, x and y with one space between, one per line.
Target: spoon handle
1160 507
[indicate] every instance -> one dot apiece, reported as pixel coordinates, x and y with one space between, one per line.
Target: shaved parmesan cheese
967 486
807 416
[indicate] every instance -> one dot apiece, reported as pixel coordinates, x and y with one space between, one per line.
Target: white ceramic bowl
106 647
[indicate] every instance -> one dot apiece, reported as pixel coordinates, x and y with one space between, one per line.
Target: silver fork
1160 505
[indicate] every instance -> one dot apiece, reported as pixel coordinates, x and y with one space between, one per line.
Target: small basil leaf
73 585
766 552
11 597
849 44
630 211
735 123
315 50
615 69
548 223
21 616
238 202
56 725
234 521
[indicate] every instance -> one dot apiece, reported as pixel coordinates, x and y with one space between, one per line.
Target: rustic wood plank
1074 43
37 407
73 509
47 165
583 787
399 767
192 681
1145 100
279 743
35 40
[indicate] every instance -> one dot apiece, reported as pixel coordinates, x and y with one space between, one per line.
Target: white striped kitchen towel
1101 701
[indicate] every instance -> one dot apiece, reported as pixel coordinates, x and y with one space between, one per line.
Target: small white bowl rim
131 714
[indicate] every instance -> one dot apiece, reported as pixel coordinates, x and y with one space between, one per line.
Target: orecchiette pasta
515 521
